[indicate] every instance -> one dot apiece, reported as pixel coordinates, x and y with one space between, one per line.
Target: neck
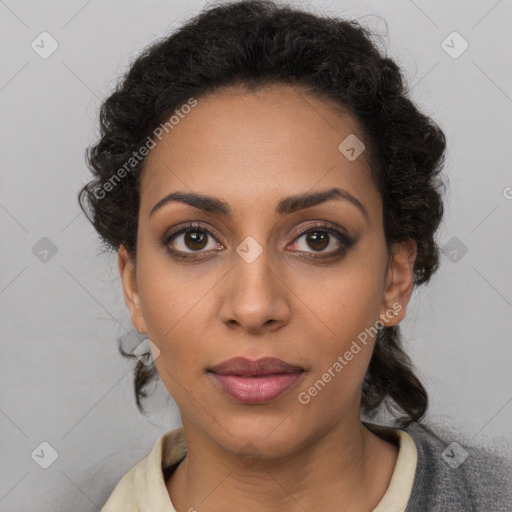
345 469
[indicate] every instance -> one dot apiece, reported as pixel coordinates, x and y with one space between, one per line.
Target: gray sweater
453 477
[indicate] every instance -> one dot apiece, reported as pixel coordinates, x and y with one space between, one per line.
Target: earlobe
130 291
399 282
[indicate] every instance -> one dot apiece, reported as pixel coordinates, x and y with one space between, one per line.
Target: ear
399 282
131 296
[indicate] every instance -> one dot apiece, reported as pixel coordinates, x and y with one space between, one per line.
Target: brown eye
195 240
323 240
192 238
318 240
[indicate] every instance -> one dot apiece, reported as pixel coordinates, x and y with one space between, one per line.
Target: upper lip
243 367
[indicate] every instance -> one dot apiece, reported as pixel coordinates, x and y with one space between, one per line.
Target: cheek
344 342
175 309
346 310
345 303
170 293
165 305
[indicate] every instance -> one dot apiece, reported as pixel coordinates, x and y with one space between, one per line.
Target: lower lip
256 390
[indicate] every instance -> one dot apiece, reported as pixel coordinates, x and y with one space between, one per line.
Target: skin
252 149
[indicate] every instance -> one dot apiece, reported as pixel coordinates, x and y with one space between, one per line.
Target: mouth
255 382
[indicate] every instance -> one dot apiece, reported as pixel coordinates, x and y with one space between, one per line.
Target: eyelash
324 227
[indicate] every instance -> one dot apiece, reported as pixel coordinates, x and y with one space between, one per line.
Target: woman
273 197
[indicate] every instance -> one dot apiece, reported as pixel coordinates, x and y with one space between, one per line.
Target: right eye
190 239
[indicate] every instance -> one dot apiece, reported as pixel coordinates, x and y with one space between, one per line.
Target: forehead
252 148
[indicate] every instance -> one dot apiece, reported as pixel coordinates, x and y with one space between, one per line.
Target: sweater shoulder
453 475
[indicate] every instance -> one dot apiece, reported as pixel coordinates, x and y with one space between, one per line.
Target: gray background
62 378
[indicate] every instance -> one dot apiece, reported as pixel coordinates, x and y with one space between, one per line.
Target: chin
265 438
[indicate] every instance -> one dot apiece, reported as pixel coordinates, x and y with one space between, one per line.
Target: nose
256 298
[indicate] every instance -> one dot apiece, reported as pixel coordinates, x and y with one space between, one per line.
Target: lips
246 368
255 382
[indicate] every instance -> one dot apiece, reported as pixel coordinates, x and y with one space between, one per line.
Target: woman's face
246 281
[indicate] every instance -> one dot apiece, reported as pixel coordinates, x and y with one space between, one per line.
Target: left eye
321 240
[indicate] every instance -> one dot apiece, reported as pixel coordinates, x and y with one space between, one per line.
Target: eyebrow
285 206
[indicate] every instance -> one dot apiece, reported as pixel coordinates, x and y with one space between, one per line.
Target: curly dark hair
257 43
